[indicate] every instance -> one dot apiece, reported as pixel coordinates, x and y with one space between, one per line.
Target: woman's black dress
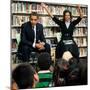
67 43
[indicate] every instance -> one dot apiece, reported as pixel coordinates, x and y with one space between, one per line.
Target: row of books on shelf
22 7
17 20
52 32
47 33
47 21
80 32
25 7
14 45
81 42
82 23
83 52
52 42
53 53
15 35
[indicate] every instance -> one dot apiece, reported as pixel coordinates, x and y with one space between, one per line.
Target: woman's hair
66 11
23 75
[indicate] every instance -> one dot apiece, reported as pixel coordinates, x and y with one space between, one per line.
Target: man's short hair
34 14
24 76
44 61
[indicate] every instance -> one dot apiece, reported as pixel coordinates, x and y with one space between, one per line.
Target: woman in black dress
67 27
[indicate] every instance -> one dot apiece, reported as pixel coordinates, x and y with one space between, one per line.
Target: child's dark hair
60 72
66 74
44 61
66 11
23 75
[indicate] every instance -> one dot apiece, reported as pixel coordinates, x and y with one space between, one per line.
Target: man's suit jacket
27 40
27 34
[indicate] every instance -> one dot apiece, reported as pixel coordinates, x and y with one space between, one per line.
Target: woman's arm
45 7
79 11
56 20
75 22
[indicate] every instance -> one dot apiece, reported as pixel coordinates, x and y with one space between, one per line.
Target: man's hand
40 46
42 43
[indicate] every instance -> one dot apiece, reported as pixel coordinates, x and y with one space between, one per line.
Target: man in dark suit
32 38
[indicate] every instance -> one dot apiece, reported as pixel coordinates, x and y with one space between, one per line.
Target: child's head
66 67
60 71
44 61
24 75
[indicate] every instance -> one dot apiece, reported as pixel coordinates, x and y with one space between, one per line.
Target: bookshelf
20 12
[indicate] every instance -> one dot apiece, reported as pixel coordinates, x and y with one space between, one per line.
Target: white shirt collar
67 23
44 71
34 27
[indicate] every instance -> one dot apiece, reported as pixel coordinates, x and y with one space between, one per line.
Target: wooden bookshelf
21 10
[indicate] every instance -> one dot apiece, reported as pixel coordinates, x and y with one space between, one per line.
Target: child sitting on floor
45 75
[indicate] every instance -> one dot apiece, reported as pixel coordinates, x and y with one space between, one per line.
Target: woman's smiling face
67 16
